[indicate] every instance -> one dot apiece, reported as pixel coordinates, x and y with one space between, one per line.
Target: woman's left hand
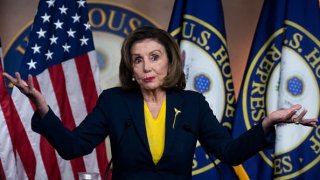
288 115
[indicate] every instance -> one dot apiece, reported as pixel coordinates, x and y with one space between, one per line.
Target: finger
295 107
291 116
30 82
9 77
301 115
18 77
309 122
292 112
20 82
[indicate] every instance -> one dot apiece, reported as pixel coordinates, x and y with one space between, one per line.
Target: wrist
267 124
42 109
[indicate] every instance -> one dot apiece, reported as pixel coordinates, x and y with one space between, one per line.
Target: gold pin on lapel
177 112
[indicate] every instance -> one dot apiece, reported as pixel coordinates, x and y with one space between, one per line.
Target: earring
133 79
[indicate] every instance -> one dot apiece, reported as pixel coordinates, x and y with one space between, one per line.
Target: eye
154 57
137 60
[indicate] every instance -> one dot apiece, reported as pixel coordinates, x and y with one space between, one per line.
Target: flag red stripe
20 141
49 160
102 158
59 85
85 75
2 176
90 97
48 154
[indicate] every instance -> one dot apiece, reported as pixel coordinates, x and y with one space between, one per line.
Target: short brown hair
175 78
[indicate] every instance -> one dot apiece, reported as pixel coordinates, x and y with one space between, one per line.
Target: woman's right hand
27 88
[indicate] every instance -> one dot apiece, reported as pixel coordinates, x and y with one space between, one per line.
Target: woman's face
150 64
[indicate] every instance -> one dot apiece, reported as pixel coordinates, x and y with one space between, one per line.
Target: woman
153 123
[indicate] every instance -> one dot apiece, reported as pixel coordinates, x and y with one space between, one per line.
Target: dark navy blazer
120 115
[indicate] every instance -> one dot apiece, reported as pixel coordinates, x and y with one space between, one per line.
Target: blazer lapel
135 106
174 111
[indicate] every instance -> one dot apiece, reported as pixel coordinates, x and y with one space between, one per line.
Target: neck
154 96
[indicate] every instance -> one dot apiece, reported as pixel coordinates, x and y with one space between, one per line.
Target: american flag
61 58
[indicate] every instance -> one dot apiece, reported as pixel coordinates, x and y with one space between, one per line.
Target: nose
146 66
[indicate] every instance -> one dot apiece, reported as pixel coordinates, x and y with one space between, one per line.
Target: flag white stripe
21 173
6 154
95 70
108 147
74 91
48 91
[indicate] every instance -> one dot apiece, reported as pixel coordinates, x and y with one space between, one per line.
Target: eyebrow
156 50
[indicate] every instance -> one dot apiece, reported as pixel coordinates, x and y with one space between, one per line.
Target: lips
148 79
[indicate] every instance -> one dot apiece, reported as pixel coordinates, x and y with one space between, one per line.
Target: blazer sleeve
79 141
216 139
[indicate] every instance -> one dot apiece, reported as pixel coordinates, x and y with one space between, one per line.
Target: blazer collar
135 106
173 113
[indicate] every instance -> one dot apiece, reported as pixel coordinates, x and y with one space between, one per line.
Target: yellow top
155 131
